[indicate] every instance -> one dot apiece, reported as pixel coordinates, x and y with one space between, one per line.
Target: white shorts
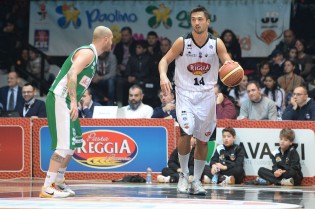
196 113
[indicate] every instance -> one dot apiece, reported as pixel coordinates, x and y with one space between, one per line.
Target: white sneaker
206 179
197 189
64 187
228 180
52 192
287 182
183 183
163 179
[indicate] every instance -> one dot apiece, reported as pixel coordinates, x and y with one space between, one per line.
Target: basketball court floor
90 194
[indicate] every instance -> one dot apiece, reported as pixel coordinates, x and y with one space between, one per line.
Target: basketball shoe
52 192
64 187
183 183
197 188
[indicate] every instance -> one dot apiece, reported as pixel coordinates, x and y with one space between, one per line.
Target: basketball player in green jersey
62 109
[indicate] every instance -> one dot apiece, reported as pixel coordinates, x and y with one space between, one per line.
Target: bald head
101 32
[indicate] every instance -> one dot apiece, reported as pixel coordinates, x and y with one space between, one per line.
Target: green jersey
60 88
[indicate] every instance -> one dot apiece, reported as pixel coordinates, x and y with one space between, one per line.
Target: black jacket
38 108
173 162
306 112
232 156
289 160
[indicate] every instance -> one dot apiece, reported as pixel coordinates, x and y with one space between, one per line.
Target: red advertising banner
15 148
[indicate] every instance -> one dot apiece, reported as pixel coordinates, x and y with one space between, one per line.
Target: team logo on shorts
199 68
208 133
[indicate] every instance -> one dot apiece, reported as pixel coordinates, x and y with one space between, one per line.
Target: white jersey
197 68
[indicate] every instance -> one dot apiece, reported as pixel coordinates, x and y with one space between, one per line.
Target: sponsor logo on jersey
199 68
106 149
189 54
85 81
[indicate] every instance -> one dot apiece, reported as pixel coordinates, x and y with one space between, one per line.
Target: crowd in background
135 62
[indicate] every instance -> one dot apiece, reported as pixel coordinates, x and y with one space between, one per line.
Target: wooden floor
23 193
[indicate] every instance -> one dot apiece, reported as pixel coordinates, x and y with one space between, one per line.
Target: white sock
167 179
61 174
183 161
50 178
199 166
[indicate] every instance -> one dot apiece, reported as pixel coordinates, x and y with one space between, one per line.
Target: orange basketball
231 74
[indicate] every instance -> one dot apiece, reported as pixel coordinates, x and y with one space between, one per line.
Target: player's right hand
73 111
165 84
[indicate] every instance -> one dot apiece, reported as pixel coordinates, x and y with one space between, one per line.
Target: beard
134 105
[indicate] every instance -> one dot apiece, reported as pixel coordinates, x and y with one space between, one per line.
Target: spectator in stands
286 168
257 107
274 92
138 69
264 68
86 105
34 67
301 107
287 42
153 43
8 42
289 80
136 109
103 84
11 95
31 107
292 55
228 160
167 108
277 64
232 44
165 46
21 63
305 60
239 93
225 108
170 174
124 49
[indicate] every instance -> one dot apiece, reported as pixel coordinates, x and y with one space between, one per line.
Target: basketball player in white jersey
197 57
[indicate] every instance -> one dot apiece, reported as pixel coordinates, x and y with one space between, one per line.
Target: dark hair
142 43
152 33
230 130
234 38
167 39
29 84
287 133
274 87
136 86
201 9
126 29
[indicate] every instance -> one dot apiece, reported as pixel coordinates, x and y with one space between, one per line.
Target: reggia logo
104 149
199 68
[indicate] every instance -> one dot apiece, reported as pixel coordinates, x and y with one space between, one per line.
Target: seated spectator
264 69
225 108
11 95
86 105
257 107
227 161
34 66
292 55
31 107
239 92
170 174
301 107
304 59
136 109
277 63
167 108
104 81
286 168
287 42
289 80
273 91
232 44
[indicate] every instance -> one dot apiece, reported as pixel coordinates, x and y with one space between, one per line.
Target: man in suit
31 107
86 105
11 95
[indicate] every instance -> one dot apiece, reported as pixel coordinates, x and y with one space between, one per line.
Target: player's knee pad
64 152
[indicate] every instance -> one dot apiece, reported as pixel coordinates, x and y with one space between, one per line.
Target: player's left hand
73 110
